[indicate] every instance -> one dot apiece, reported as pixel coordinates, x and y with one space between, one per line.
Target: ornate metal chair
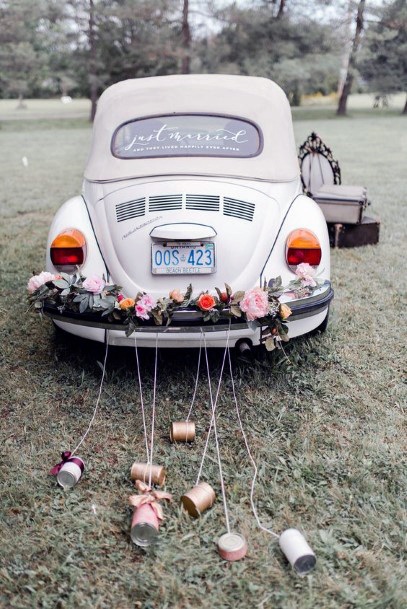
318 166
343 206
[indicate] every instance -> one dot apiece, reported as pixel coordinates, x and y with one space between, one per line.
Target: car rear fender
302 213
74 214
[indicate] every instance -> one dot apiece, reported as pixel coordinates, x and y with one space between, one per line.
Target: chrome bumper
190 322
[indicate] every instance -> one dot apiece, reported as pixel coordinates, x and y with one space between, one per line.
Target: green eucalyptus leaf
83 305
237 297
269 344
235 311
214 315
62 284
157 316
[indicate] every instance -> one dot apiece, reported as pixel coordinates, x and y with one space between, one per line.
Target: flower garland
92 295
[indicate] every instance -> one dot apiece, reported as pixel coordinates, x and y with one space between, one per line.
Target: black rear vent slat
130 209
163 202
203 202
238 209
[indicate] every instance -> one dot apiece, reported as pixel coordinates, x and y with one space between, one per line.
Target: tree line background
79 47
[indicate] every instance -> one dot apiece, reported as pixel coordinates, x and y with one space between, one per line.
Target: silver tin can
70 472
297 551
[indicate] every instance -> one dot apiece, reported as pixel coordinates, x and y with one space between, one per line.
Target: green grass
326 426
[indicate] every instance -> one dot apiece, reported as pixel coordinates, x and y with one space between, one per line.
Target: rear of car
192 180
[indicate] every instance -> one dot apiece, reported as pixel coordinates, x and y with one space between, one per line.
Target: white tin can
299 554
70 472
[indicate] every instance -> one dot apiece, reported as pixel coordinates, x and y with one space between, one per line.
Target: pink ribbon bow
148 495
66 456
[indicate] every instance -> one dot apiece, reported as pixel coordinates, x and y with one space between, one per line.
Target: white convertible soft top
258 100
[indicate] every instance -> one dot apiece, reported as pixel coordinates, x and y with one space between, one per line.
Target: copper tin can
182 431
198 499
141 471
144 526
232 546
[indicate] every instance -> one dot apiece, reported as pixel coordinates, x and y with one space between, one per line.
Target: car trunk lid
239 223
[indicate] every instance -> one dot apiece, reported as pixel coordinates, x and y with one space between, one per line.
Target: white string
197 377
143 414
97 401
250 455
215 429
153 411
215 404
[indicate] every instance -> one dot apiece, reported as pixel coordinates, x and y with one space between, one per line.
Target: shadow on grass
175 365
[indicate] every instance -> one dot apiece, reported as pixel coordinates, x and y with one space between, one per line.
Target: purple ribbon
66 458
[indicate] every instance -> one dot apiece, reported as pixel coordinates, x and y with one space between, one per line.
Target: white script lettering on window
165 134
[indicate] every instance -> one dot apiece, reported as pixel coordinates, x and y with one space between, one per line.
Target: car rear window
186 135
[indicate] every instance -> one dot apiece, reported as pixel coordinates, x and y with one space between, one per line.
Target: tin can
182 431
297 551
70 472
232 546
144 526
141 471
198 499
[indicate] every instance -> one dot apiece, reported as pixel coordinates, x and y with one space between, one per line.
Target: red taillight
67 255
303 246
68 250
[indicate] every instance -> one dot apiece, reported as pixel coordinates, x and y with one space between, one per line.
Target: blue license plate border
166 268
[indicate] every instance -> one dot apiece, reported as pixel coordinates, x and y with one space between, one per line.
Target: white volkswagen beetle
191 181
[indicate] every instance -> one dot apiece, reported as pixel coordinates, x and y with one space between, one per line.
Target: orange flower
206 302
126 303
285 311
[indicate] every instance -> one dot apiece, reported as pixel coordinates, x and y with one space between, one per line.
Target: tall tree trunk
281 9
343 100
186 40
92 62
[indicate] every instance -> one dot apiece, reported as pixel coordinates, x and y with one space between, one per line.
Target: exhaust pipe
244 347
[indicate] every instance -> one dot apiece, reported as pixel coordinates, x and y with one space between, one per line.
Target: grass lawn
326 425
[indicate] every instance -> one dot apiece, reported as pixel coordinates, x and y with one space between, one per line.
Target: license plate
183 258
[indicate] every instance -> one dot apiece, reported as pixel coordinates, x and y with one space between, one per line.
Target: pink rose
94 284
147 301
38 280
141 310
255 304
306 273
